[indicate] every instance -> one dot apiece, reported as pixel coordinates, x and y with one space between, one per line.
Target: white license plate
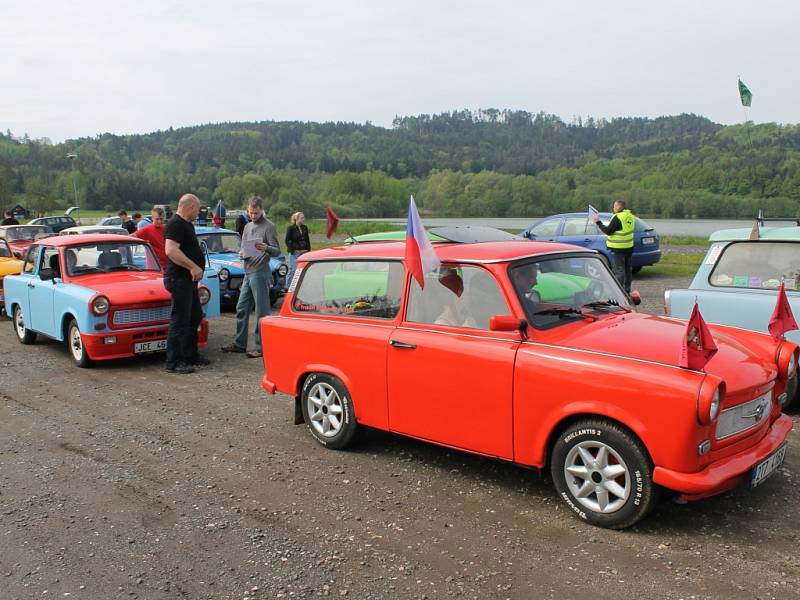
153 346
648 240
767 466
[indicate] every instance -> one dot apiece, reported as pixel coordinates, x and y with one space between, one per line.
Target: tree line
465 163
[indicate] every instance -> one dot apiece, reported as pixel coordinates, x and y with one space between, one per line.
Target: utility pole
72 156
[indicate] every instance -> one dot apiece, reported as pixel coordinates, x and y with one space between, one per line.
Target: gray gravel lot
123 482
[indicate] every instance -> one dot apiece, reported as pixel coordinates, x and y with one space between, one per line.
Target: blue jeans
292 268
254 290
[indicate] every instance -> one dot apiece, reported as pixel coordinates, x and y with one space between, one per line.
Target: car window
580 226
758 265
5 251
456 296
50 261
30 259
546 227
103 257
641 225
221 242
369 289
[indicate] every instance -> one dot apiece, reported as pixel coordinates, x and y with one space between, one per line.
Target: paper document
249 249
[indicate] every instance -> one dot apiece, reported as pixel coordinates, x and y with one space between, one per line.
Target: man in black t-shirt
184 269
9 220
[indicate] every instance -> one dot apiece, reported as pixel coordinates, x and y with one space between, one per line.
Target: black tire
636 269
617 495
75 347
328 411
24 335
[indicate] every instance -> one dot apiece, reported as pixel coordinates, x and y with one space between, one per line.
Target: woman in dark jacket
297 242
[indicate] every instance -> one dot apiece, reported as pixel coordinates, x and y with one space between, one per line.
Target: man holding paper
259 243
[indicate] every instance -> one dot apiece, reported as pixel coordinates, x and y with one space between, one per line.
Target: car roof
14 226
90 228
449 252
205 230
764 233
86 238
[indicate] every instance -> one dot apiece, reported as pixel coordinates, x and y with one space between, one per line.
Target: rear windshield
641 225
758 265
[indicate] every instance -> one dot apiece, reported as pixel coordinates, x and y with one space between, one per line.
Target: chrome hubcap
75 343
597 477
325 410
19 323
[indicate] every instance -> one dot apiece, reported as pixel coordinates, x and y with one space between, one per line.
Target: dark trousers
623 269
184 320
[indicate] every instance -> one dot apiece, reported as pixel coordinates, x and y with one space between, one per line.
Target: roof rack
762 219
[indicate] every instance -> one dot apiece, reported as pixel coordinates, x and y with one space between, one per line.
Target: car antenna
354 240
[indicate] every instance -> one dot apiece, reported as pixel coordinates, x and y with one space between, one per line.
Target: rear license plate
767 466
648 240
153 346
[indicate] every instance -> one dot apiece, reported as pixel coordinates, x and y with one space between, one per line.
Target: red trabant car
19 237
528 352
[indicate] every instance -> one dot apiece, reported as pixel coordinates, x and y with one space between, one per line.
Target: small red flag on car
782 317
698 346
332 224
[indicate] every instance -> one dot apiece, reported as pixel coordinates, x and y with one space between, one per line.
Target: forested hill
483 163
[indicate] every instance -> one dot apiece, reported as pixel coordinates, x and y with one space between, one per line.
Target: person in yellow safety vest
620 241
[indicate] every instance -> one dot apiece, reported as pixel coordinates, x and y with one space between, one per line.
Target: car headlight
283 270
713 410
709 400
790 369
224 274
204 294
100 305
787 361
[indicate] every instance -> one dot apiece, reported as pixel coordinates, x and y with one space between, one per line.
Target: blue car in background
577 229
222 246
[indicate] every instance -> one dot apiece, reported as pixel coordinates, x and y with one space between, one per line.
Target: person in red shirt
154 233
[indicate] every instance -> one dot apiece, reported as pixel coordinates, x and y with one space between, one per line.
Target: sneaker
180 369
200 361
233 348
254 354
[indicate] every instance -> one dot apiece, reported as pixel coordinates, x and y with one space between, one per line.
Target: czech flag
782 318
420 256
219 210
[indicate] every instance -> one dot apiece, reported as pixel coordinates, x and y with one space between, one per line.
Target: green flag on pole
745 94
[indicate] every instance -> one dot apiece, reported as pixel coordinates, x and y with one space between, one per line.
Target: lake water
693 227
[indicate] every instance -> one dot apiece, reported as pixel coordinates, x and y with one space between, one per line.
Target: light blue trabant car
222 247
102 295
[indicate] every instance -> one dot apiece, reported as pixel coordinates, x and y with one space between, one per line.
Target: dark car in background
578 229
55 223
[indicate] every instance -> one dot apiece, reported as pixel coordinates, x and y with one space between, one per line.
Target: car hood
659 339
126 287
227 260
9 266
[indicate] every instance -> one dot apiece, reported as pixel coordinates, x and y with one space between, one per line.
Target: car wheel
328 411
603 473
637 269
24 335
75 345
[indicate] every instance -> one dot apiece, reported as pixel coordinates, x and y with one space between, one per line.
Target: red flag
782 318
698 346
332 224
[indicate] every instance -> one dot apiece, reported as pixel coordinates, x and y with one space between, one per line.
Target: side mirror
528 235
506 323
18 255
636 297
47 274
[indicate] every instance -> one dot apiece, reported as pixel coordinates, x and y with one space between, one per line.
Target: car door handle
398 344
587 239
30 285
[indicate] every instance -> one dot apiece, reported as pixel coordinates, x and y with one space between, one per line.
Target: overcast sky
81 67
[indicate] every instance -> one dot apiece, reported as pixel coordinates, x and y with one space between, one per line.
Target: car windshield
103 257
558 290
5 251
28 233
221 242
758 265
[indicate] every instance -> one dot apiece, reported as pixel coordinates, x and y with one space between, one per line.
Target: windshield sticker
713 254
740 281
295 279
790 284
754 282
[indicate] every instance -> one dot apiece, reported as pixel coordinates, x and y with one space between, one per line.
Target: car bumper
727 473
268 385
97 348
646 258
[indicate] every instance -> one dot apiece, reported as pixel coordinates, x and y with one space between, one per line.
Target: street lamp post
72 156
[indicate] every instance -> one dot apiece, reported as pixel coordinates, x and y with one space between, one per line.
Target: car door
580 231
545 230
41 294
449 377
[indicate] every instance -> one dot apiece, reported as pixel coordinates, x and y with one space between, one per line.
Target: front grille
235 282
134 316
744 416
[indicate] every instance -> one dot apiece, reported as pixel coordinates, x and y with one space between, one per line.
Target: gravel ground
123 482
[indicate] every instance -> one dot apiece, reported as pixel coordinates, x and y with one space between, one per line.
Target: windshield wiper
82 270
127 268
606 304
564 311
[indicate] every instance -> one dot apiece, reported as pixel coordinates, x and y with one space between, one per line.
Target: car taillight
99 305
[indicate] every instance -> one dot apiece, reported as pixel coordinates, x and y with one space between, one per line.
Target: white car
94 229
